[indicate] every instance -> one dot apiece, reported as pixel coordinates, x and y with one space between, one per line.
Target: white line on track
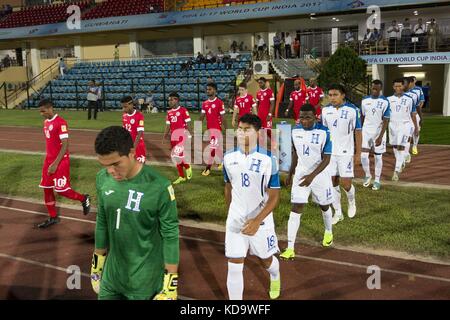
348 264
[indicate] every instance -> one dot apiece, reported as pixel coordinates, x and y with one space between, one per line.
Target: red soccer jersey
134 123
55 130
214 110
177 118
264 97
244 104
314 95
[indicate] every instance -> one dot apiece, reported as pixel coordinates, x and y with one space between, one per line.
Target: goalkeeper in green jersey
136 237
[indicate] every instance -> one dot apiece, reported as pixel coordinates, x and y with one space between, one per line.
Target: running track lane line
341 263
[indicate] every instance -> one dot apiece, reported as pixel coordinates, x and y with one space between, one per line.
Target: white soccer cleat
337 217
395 176
408 158
351 209
367 181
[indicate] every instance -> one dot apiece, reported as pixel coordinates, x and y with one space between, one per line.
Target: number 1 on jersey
118 219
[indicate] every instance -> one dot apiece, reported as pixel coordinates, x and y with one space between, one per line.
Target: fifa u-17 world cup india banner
285 146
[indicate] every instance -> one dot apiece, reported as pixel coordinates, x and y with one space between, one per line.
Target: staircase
288 68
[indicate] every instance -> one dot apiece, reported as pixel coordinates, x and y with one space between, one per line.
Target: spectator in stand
277 46
419 32
234 54
393 33
432 32
200 58
92 97
375 37
288 45
296 47
234 46
116 52
7 61
261 46
406 35
367 37
220 55
210 57
62 65
349 38
241 46
151 9
100 105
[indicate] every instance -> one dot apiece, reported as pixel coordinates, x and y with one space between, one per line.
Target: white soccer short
399 133
321 189
369 136
263 244
341 166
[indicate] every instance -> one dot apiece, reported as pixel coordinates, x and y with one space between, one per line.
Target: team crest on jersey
50 128
132 121
265 94
213 106
177 114
63 128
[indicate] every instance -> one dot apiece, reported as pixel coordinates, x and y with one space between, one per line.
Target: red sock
50 203
72 195
180 170
185 165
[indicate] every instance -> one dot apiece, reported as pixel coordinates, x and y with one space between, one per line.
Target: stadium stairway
140 76
287 68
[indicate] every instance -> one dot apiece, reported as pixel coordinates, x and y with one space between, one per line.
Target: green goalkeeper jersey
137 222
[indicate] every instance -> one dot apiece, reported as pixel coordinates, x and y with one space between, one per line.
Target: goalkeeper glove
98 262
169 291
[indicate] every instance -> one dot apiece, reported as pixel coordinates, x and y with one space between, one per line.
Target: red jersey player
265 101
315 95
177 123
244 104
133 121
56 168
297 100
213 109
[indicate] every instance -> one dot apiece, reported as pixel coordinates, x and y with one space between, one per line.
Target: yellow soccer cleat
179 180
327 239
415 151
275 288
206 172
189 173
220 166
288 254
169 291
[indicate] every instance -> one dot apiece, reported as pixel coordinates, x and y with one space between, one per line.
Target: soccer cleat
351 209
206 172
189 173
395 176
367 181
275 288
415 151
376 186
179 180
86 204
407 159
219 166
327 239
337 218
288 254
47 223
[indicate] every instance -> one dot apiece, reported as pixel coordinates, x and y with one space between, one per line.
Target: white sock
378 167
274 269
398 159
416 140
365 162
327 215
337 200
235 281
406 151
293 225
350 194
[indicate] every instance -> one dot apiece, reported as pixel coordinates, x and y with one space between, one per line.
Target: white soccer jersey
309 145
401 108
342 122
414 96
374 110
250 176
418 91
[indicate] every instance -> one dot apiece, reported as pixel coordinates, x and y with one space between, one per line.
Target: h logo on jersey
315 138
403 102
256 163
380 104
136 200
344 114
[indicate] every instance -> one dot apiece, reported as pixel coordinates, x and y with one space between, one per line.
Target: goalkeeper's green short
107 293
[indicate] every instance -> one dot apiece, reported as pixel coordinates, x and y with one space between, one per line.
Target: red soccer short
60 180
264 123
141 152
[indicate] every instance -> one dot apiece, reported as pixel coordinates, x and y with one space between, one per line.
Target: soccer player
133 121
376 112
297 100
419 92
56 168
213 109
343 120
315 96
403 112
177 123
243 104
252 192
265 104
408 88
136 235
310 158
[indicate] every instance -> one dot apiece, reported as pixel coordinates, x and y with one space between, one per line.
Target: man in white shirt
419 32
343 120
252 192
403 112
288 45
393 34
